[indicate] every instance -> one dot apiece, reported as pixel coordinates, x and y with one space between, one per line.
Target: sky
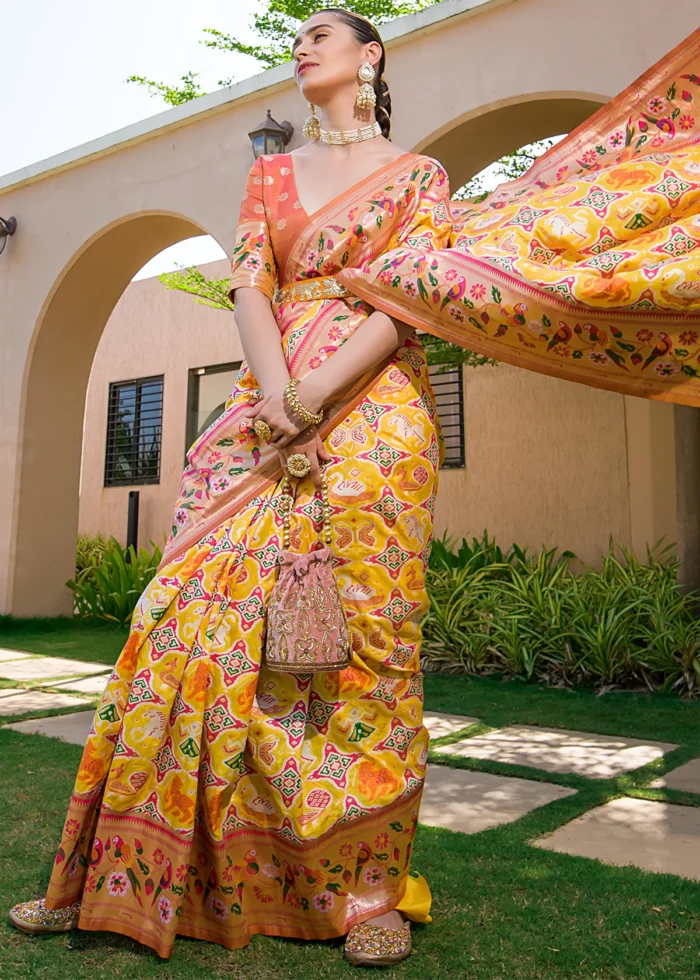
65 67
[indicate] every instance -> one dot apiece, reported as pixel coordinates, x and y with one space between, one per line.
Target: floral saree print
588 266
218 799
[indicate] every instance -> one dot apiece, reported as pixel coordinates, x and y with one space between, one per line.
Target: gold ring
262 429
298 464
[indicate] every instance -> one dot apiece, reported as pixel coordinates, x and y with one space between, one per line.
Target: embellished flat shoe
35 917
368 945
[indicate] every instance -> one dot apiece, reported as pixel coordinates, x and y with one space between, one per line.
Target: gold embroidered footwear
368 945
35 917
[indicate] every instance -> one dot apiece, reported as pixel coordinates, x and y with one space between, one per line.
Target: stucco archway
477 138
63 347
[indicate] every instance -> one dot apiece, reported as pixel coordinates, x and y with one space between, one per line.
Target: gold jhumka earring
366 98
312 126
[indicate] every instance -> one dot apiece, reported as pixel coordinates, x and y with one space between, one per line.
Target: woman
217 798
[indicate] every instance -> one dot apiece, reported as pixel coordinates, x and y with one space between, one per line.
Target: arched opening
479 137
58 368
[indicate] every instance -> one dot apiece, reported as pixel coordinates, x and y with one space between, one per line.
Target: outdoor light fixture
270 136
8 226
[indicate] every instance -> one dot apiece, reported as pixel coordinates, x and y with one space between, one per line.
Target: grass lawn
502 910
63 637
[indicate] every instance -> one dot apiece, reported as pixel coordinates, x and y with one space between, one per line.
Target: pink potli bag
307 628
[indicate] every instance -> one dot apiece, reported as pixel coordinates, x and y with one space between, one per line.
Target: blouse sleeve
253 261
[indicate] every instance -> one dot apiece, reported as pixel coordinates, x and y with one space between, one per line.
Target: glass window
447 383
134 432
208 390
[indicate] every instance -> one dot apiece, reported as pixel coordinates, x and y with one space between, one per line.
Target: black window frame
193 376
455 456
111 448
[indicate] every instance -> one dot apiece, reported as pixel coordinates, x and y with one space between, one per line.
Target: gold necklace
350 135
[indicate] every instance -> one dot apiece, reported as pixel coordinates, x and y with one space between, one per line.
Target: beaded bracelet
290 391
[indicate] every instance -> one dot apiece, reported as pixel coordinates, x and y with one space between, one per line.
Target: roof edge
271 79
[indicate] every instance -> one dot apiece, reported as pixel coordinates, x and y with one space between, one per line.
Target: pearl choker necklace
350 135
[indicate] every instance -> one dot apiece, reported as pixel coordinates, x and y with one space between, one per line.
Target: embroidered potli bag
306 628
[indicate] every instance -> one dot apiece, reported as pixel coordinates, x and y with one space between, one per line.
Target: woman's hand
273 410
284 423
309 441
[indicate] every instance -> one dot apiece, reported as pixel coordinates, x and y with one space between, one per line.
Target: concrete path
655 836
686 778
73 727
18 701
556 750
458 799
37 672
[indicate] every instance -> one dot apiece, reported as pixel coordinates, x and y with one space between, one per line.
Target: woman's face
331 54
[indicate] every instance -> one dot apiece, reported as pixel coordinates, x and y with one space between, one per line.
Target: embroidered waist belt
320 287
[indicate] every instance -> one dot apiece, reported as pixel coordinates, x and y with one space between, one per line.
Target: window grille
448 385
134 432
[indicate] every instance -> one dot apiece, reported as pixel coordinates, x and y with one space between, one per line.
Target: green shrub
627 624
111 579
91 548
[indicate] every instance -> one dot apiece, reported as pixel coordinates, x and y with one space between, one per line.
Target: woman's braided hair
365 32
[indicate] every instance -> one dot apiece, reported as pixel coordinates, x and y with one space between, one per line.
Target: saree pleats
587 267
218 799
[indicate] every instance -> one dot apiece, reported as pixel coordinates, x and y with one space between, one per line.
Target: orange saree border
599 121
490 346
251 882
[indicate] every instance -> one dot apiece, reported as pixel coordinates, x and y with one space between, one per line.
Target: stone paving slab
661 837
13 655
15 702
559 750
86 685
457 799
71 728
439 724
686 778
44 668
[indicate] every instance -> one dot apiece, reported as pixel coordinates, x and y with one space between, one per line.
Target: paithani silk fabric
217 798
587 267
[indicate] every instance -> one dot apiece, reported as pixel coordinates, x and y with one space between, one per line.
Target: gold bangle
290 391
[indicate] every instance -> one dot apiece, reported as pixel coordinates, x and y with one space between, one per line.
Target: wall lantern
270 136
8 226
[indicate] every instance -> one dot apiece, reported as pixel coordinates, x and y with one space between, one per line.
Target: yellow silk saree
217 799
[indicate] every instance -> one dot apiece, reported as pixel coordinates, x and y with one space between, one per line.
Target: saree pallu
588 266
218 799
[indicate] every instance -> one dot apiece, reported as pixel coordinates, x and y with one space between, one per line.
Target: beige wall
548 462
153 330
90 218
